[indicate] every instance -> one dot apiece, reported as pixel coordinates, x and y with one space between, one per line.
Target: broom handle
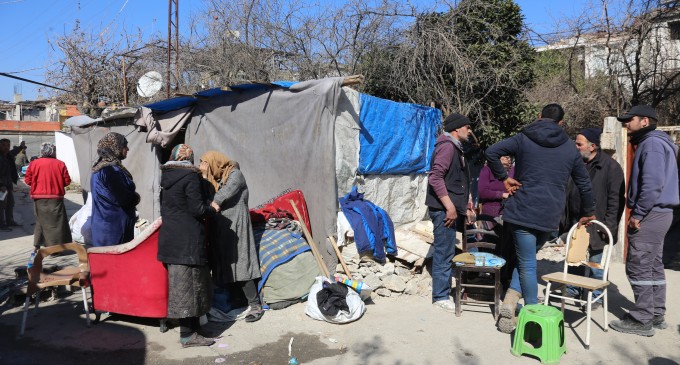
310 241
342 260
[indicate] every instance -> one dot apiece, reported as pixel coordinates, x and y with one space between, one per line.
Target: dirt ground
400 330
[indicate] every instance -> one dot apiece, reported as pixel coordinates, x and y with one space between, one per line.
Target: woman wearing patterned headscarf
182 244
113 193
48 178
233 255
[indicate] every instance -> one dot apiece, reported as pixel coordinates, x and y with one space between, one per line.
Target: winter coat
491 191
182 237
8 171
233 254
609 189
113 207
545 157
47 178
450 175
654 175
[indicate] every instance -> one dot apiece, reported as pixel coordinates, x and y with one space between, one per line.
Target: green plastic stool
540 332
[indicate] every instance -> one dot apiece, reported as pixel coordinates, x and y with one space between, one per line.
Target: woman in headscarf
113 193
182 244
233 255
48 178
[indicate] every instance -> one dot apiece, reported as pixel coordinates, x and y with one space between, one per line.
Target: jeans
524 278
444 249
596 257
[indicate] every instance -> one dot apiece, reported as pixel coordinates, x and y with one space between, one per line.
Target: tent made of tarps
285 136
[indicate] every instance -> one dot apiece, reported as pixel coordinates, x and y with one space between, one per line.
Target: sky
28 26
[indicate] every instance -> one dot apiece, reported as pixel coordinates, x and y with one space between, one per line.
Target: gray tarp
282 139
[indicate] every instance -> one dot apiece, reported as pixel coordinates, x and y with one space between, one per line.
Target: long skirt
189 293
51 223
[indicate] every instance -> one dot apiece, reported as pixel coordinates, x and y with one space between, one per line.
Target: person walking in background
447 201
8 178
48 178
113 194
21 160
182 245
233 255
653 193
492 193
609 189
545 159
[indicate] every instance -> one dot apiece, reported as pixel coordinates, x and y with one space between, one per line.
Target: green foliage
470 59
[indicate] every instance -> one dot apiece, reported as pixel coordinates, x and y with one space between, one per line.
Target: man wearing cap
609 190
545 159
447 199
652 195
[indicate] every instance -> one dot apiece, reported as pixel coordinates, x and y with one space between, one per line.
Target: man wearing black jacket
8 178
609 189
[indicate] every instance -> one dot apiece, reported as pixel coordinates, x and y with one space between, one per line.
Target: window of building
674 28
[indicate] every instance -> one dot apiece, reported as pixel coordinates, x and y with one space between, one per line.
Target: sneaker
446 304
659 322
630 325
196 340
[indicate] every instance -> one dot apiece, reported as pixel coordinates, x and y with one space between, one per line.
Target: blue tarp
184 101
396 138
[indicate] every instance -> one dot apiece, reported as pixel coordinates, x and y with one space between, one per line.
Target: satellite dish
149 84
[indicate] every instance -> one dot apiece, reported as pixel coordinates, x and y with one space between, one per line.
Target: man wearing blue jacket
652 195
545 158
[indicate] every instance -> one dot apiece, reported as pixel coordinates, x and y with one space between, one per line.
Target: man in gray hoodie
652 195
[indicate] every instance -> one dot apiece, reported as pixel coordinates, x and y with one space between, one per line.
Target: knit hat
455 121
592 135
639 111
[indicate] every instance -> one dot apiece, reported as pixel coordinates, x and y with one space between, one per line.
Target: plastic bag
77 222
354 302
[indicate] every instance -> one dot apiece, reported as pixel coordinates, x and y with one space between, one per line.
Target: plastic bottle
361 288
30 260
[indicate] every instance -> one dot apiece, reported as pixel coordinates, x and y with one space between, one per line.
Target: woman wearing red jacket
48 178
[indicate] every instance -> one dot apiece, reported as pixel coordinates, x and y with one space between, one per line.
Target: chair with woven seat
462 269
71 275
578 241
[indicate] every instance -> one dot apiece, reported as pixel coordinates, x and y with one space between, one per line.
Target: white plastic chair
576 255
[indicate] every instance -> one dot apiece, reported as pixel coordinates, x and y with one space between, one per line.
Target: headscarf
47 149
110 151
219 168
182 152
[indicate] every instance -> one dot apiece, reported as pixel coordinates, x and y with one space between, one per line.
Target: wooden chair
462 270
71 275
578 241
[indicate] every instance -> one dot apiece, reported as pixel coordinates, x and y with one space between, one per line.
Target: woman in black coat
182 244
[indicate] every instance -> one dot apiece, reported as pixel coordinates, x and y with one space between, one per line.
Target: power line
34 82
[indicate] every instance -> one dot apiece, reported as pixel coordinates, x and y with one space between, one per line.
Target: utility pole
173 28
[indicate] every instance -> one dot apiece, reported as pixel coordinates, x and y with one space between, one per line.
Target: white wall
66 152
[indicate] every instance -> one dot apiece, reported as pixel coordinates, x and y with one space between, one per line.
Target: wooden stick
342 260
310 241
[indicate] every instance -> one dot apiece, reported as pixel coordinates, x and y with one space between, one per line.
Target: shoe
241 316
630 325
659 322
196 340
446 305
255 315
594 306
13 224
507 325
509 305
5 228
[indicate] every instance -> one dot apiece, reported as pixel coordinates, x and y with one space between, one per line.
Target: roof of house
28 126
